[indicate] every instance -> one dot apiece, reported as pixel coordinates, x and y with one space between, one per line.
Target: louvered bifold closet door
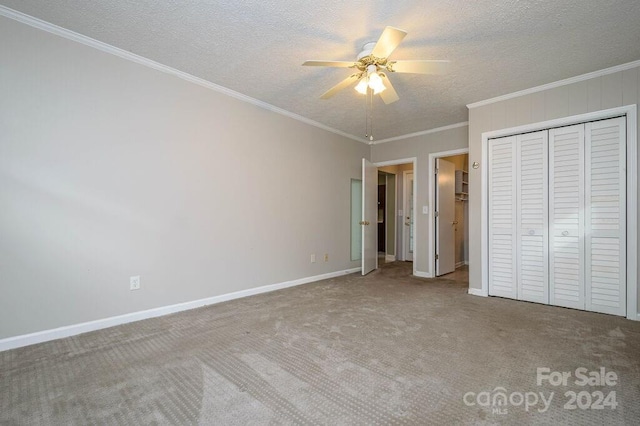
532 217
502 217
566 217
605 159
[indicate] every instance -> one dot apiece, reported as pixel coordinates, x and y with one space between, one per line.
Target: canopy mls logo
500 400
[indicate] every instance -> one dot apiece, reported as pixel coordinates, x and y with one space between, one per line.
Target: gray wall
110 169
609 91
420 147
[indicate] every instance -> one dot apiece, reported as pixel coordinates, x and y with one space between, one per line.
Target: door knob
565 233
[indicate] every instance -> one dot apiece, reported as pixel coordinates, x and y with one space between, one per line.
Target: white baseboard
466 263
477 292
459 264
75 329
389 257
422 274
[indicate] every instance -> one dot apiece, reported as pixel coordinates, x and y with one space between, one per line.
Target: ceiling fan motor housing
367 49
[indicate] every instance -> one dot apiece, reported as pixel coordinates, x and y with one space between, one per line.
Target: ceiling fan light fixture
376 84
362 85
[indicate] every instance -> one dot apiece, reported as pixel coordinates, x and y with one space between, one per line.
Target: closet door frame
630 112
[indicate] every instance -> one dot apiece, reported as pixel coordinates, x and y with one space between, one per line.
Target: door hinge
437 257
436 170
436 214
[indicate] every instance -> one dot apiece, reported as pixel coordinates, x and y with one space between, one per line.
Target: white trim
459 264
423 132
414 161
630 111
422 274
432 201
75 329
555 84
389 258
396 162
477 292
632 213
107 48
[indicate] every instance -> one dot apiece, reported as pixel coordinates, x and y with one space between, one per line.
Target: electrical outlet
326 257
134 283
313 258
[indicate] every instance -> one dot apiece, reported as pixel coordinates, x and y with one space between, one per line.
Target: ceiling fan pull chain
371 112
366 115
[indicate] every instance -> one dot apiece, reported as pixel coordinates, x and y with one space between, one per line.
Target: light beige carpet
383 349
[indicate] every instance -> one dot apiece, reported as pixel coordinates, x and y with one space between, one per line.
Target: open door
409 219
369 217
445 217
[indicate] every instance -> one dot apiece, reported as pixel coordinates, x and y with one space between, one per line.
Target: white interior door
445 217
408 219
605 218
502 218
557 216
566 217
532 217
369 216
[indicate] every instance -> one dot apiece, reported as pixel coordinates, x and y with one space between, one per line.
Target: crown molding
107 48
423 132
555 84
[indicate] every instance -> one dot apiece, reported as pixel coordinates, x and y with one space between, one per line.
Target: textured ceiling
256 47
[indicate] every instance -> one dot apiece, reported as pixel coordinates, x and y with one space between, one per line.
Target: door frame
414 161
630 112
432 202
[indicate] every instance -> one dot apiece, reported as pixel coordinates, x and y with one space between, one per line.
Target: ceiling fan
372 62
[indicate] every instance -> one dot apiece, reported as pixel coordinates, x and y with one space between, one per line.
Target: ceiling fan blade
338 87
339 64
388 41
388 95
420 67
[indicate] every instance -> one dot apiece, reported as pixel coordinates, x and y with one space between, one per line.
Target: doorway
394 210
449 245
409 216
387 208
398 210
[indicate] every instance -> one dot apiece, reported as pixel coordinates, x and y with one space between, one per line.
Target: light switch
425 209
